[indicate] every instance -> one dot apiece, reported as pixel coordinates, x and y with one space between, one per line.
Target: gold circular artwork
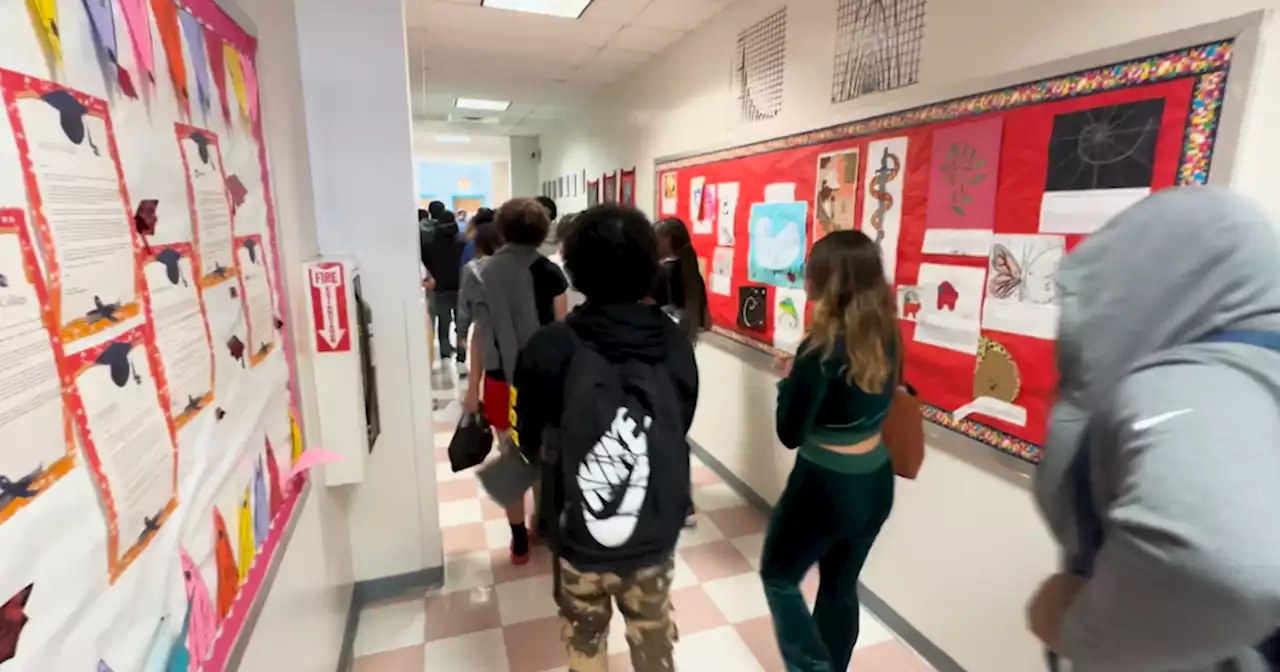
996 374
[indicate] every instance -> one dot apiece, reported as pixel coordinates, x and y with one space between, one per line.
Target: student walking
442 256
832 401
1161 473
486 241
680 289
519 290
617 386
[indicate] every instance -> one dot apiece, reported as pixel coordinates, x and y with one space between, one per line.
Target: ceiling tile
682 15
622 11
613 56
643 38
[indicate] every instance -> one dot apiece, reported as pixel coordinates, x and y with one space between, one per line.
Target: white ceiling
543 64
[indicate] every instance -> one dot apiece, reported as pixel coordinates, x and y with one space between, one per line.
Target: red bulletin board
1183 92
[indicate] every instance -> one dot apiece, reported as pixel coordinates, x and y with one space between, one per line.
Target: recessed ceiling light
453 139
567 9
481 104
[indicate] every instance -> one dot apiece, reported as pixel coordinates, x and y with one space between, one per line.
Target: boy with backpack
613 389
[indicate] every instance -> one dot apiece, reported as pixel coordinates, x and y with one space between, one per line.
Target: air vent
473 119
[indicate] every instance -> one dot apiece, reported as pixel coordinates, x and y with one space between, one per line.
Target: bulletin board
973 203
150 467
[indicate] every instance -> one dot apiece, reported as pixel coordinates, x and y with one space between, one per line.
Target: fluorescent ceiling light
453 139
481 104
567 9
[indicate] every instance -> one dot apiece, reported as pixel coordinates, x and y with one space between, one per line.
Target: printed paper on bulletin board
973 202
140 334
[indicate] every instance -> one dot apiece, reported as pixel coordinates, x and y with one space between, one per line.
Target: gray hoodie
1185 436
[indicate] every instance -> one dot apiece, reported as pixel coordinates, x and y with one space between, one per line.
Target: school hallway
491 616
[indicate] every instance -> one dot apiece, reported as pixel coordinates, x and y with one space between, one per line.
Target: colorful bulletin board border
15 87
1206 63
72 367
186 251
13 223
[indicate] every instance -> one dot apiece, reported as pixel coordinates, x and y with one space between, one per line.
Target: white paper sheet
909 302
1022 289
885 175
788 318
957 242
212 208
722 271
727 192
993 408
181 338
30 391
1083 212
257 294
88 219
951 309
781 192
132 441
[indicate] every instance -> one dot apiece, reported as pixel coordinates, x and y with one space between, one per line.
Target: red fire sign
329 318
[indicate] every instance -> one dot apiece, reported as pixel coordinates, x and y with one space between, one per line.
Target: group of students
1160 470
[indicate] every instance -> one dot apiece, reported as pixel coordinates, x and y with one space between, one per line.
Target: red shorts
497 404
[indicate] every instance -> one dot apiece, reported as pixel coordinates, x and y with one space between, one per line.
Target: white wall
303 619
525 166
965 546
355 93
480 148
501 182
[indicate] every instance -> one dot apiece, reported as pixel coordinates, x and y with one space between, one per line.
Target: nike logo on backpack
614 479
1148 423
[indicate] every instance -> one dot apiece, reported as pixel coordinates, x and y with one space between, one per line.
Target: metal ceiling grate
878 44
759 65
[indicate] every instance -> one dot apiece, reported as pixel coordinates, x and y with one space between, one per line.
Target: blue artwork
777 241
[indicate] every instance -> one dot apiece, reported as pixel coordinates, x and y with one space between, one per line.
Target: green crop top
816 404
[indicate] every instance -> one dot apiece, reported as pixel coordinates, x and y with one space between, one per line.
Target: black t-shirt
548 283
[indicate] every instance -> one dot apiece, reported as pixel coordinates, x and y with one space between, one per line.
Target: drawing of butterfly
1033 279
13 618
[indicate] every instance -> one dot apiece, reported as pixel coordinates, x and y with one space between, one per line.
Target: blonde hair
851 298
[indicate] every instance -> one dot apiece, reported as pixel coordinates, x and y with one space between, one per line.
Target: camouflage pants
644 598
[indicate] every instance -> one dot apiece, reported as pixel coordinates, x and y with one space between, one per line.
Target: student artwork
710 204
73 175
210 204
962 188
138 21
217 56
258 299
879 46
1101 161
609 183
837 193
593 193
275 481
722 271
788 318
670 195
696 195
247 547
194 34
32 409
909 302
777 240
951 308
752 310
261 505
13 618
44 13
181 331
166 17
128 441
727 217
882 213
102 19
203 624
628 187
996 385
1022 288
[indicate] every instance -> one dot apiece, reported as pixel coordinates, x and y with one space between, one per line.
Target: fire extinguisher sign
330 321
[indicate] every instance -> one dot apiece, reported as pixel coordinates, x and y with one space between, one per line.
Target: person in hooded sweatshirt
442 255
1161 471
615 386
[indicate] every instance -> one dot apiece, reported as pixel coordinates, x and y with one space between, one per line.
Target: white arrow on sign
328 281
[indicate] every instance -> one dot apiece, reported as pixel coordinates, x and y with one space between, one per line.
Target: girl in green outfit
832 400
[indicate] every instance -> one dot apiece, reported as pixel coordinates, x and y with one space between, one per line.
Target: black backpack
1091 530
622 462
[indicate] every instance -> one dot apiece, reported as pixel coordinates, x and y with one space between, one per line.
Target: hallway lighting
453 139
481 104
565 9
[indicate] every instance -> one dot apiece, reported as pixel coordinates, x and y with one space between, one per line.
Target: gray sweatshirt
502 306
1185 435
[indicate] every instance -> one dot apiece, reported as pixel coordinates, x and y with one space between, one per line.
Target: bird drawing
13 618
103 312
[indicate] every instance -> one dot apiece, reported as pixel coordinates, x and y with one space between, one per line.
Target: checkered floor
493 617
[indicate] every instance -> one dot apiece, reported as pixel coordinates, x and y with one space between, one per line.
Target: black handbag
471 443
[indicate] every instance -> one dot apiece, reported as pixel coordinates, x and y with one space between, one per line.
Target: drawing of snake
890 164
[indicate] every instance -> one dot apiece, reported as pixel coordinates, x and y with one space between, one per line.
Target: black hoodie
619 333
442 255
